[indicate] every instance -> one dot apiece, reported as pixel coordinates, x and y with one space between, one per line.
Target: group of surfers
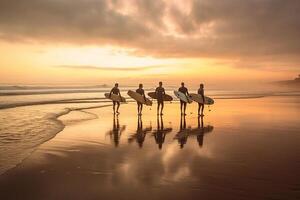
160 92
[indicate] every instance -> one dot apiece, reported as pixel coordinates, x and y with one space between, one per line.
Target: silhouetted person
115 90
160 134
160 92
201 105
116 132
185 91
141 91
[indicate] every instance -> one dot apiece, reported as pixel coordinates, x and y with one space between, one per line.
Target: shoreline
55 118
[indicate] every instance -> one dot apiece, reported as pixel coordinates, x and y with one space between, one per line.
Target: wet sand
241 149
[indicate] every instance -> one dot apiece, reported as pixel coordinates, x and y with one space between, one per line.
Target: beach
241 149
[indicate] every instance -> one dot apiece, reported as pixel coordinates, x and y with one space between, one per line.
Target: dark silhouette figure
183 132
161 132
141 91
185 91
115 90
116 131
201 105
160 92
140 134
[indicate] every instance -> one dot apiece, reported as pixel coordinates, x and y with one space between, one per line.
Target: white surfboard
115 97
197 98
182 97
139 98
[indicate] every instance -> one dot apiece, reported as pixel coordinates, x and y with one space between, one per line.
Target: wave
8 104
64 101
22 132
60 91
39 87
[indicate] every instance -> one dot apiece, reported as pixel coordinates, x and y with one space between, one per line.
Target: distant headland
290 83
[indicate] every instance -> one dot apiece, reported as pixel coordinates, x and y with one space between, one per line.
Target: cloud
86 67
188 28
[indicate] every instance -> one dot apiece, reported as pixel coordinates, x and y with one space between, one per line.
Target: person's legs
162 107
138 107
114 107
141 108
184 106
202 109
181 105
158 105
118 106
199 105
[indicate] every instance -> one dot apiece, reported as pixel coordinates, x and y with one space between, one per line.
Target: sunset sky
102 41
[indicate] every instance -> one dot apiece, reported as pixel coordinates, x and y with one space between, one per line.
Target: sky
228 42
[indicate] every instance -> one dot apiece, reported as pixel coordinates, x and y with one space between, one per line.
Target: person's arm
144 95
202 94
110 93
187 92
119 92
164 92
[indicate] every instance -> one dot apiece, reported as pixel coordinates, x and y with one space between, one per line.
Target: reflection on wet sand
161 132
183 133
116 131
140 134
200 131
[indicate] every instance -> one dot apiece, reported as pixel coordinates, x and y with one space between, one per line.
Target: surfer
185 91
160 92
201 105
115 90
141 91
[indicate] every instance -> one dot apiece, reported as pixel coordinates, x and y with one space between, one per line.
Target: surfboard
115 97
139 98
166 96
197 98
182 97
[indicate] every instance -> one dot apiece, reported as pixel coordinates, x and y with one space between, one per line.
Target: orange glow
48 64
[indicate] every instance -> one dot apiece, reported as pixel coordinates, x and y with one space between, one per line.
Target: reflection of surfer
141 91
200 136
183 90
116 132
183 135
140 134
201 130
160 133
